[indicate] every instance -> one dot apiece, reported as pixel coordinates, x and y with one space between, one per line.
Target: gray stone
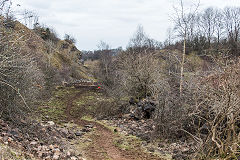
79 133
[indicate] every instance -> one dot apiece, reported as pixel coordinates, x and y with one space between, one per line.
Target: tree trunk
182 64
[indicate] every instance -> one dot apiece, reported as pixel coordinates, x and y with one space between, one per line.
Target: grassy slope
45 52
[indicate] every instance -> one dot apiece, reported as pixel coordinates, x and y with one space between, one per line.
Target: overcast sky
113 21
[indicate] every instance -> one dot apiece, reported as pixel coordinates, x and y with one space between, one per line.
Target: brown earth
102 146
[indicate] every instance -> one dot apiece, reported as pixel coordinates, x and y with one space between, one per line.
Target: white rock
73 158
33 143
55 156
69 153
51 123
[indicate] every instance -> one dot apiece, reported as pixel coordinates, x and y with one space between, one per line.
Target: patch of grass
90 97
88 104
125 99
83 143
87 118
62 92
121 141
80 103
86 98
54 109
127 142
123 145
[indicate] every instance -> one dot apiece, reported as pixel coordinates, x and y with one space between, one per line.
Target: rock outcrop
143 109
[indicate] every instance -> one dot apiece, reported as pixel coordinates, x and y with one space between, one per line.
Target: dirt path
102 146
70 104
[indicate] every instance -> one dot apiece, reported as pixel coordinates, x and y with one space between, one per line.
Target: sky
111 21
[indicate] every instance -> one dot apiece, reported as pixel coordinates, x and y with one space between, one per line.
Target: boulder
142 109
148 109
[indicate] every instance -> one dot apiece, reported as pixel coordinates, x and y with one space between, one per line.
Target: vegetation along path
103 139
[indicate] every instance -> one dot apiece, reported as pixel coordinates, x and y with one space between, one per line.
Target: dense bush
218 110
46 33
20 78
208 111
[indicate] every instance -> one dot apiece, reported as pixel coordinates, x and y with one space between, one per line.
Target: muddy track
102 146
70 104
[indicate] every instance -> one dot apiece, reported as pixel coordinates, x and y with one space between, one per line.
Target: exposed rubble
44 140
139 122
143 109
145 129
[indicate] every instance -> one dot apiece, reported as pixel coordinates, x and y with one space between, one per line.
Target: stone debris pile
143 109
44 140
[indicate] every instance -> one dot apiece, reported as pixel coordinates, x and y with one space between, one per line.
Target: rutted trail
102 141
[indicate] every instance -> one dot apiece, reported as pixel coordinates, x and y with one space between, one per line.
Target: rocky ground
67 130
140 122
64 135
43 140
144 129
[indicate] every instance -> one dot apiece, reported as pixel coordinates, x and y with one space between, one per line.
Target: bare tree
105 65
183 26
232 25
30 19
141 43
103 46
219 26
139 38
137 73
208 24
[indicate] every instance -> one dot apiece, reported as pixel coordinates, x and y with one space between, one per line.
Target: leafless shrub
218 109
70 39
20 79
207 112
137 73
46 33
106 109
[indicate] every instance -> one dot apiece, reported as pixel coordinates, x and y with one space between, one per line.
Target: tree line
212 30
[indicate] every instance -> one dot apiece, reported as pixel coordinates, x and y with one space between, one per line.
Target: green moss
87 118
55 108
127 142
80 103
90 97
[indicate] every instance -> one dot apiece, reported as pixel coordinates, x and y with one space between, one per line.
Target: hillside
58 54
